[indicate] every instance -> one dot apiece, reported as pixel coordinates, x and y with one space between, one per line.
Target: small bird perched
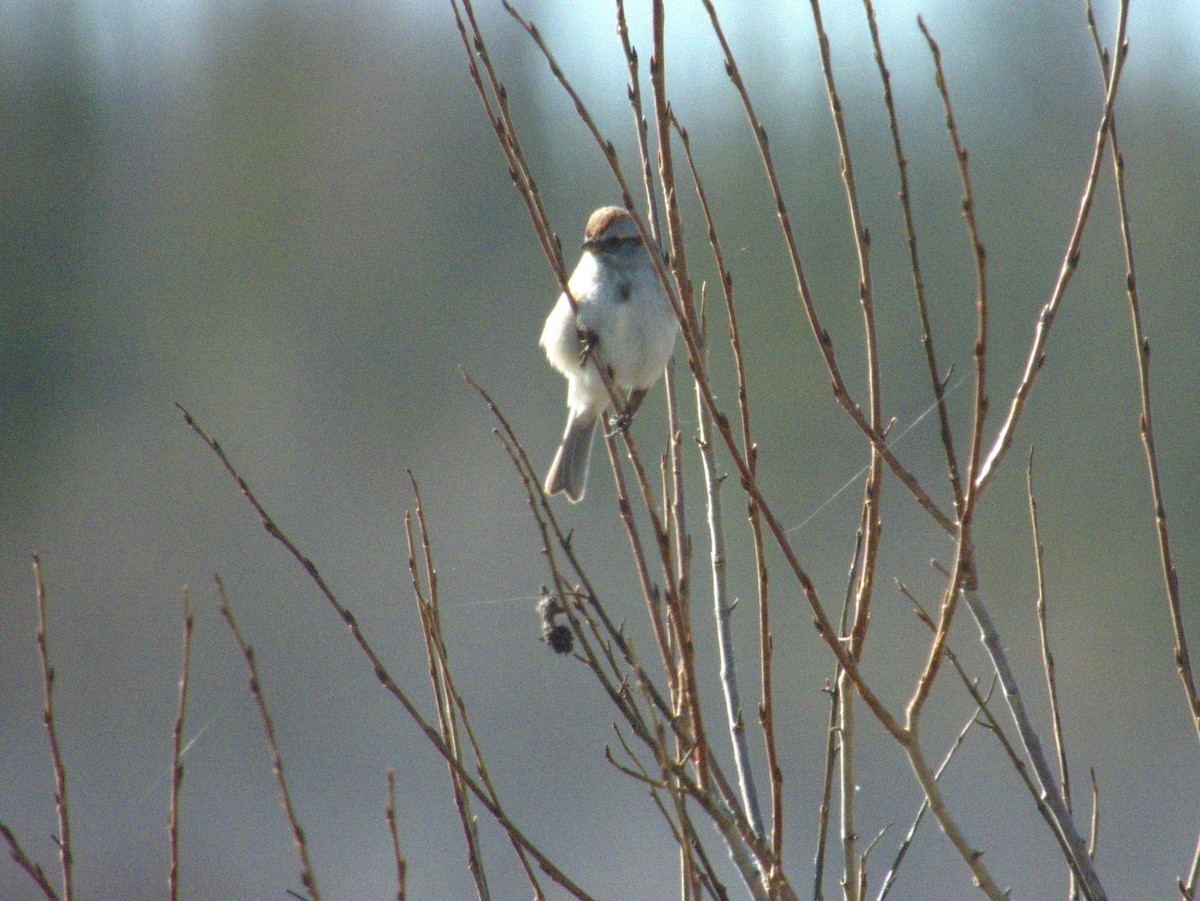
624 322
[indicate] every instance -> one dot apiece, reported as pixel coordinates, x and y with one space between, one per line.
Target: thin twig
1183 660
862 860
35 871
1094 831
830 758
426 599
455 706
650 591
678 595
978 254
993 724
678 589
964 564
842 720
1188 887
430 630
676 651
834 688
307 878
177 749
60 771
872 494
1063 824
689 321
935 377
390 815
1044 636
679 592
766 705
1037 350
722 606
639 120
852 878
890 878
723 610
495 105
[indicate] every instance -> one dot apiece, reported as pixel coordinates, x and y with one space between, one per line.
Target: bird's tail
568 473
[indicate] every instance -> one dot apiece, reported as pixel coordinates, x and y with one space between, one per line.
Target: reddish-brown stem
495 105
862 248
963 574
426 598
853 876
177 750
766 706
1070 262
390 815
307 878
1044 637
639 119
935 377
1183 660
60 771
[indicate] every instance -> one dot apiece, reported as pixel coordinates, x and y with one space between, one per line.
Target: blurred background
293 219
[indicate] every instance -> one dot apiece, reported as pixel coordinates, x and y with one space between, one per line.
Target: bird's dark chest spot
623 291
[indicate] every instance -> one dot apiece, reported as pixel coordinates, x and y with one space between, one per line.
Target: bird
622 320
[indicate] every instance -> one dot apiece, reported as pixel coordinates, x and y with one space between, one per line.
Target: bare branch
60 771
35 871
1183 660
307 878
1063 824
980 407
495 102
390 814
935 377
177 749
639 120
1037 350
1044 635
890 878
426 597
